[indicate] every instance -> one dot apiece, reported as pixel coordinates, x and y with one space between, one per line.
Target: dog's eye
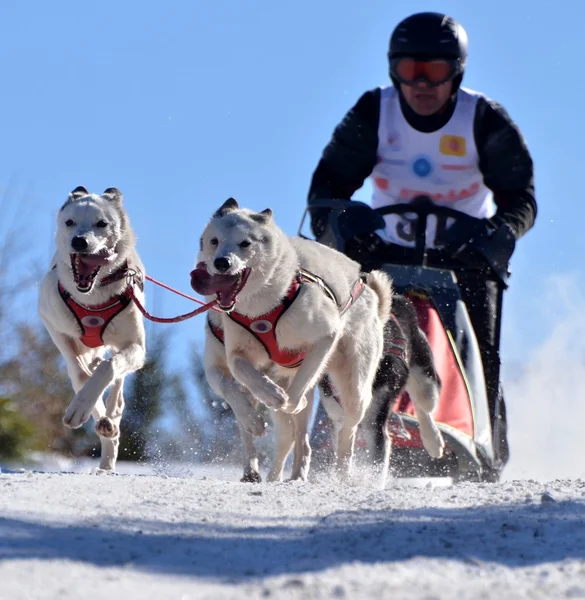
213 241
101 224
69 223
244 244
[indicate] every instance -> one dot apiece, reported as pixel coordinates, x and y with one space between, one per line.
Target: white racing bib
442 165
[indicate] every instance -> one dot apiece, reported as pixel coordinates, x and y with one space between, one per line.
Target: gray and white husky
85 302
294 310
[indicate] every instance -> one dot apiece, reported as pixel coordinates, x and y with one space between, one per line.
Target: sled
462 413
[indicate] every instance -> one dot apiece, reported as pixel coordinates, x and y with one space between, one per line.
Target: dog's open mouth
87 266
225 287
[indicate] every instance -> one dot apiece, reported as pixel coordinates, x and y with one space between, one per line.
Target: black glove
463 233
497 249
319 218
363 248
481 242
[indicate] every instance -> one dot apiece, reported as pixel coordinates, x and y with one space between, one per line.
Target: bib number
406 228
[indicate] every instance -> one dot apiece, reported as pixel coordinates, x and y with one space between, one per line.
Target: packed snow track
73 535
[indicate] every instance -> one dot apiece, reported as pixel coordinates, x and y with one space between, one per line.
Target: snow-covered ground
167 532
189 536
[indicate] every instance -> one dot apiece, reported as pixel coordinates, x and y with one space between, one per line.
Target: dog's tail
381 284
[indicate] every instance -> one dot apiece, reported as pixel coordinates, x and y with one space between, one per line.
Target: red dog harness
93 320
396 344
263 328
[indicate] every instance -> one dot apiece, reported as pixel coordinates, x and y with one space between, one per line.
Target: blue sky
182 104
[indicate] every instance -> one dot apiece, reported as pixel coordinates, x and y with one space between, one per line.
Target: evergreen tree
17 434
35 379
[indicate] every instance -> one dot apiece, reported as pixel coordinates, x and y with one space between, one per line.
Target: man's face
426 100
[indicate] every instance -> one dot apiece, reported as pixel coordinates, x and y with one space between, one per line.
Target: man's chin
425 108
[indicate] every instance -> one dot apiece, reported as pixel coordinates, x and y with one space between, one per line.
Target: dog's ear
263 217
78 192
229 205
113 194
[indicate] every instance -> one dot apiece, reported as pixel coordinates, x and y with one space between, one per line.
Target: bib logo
393 141
453 145
422 166
382 183
407 194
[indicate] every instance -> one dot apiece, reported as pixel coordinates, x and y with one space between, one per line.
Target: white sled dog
293 309
85 302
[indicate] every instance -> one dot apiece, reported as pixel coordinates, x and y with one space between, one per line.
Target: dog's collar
134 276
117 275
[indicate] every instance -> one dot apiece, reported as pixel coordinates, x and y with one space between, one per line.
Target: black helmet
430 35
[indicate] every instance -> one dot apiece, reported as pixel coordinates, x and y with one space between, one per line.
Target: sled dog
85 302
407 364
291 310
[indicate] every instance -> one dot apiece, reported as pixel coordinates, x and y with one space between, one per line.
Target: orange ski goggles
434 72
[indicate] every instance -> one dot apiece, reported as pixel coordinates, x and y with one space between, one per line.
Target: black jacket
504 159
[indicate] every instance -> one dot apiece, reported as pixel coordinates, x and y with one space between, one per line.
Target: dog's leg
250 422
424 384
66 346
108 426
386 459
353 378
109 445
308 374
424 393
251 470
354 402
127 360
225 386
390 380
284 440
80 366
261 387
375 432
302 446
334 411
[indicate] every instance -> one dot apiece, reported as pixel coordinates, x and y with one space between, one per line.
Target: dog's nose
222 264
79 244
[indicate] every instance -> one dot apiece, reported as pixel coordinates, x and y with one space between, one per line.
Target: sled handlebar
350 218
421 206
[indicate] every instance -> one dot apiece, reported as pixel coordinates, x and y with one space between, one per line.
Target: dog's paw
100 471
272 395
107 466
107 428
253 422
274 476
431 438
300 477
78 412
294 407
251 476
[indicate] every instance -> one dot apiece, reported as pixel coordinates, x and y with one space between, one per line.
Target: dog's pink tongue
201 281
206 284
84 268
